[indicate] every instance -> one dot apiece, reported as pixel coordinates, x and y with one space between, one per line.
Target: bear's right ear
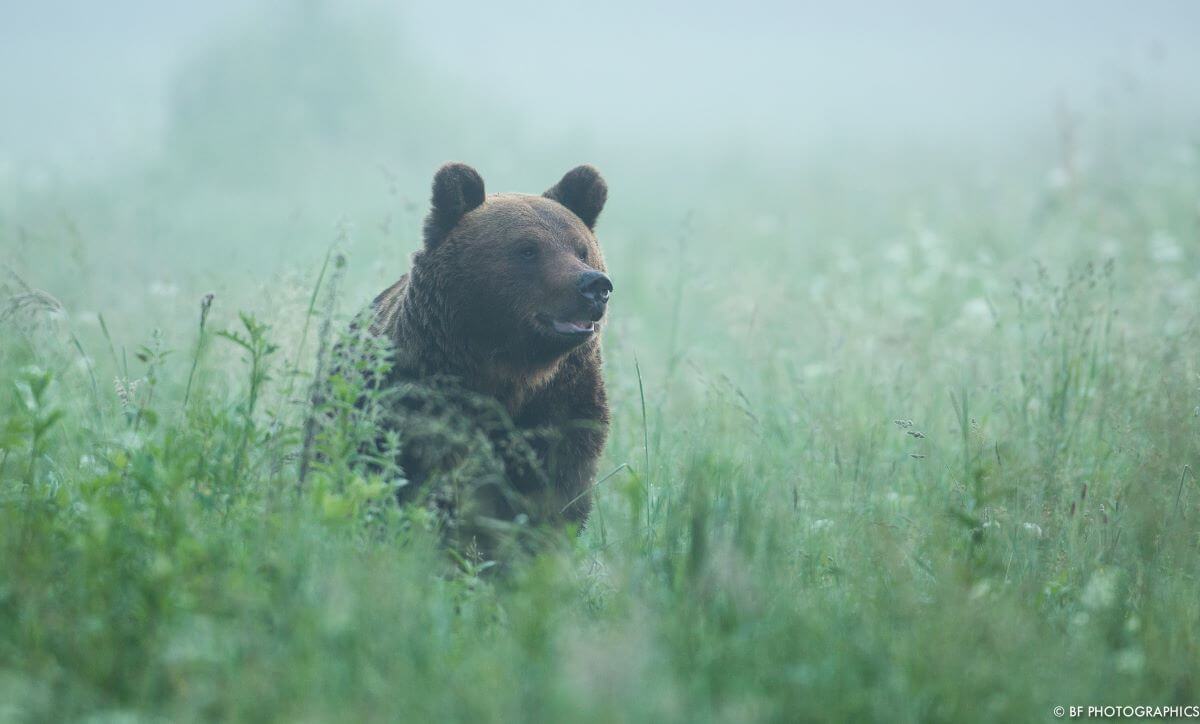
457 188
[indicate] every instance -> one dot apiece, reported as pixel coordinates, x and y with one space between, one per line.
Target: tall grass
921 474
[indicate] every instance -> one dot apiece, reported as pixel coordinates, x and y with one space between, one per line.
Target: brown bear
495 331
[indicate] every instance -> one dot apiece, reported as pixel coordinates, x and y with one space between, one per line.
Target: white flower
814 370
1033 529
928 240
976 314
979 590
1130 660
163 289
1164 249
1101 590
898 255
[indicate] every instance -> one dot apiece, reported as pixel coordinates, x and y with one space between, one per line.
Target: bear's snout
595 287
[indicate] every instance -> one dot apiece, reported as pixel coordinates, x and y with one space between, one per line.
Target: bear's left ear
583 191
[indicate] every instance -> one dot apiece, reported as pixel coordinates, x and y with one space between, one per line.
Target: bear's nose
595 286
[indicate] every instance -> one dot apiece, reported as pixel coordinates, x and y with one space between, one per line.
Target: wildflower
976 314
1164 249
163 289
1130 660
126 392
814 370
898 255
1101 590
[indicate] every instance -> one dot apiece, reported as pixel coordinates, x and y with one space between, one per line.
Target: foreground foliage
917 475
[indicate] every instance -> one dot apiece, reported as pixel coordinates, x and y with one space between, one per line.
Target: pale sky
89 80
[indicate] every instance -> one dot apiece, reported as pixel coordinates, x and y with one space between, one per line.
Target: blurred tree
307 88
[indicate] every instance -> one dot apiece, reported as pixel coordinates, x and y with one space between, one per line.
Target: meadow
909 436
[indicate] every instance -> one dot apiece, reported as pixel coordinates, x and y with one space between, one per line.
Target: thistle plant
252 339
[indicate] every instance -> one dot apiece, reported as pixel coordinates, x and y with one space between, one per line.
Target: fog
85 83
216 145
900 368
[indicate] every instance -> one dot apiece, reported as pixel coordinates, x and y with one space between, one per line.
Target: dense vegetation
906 441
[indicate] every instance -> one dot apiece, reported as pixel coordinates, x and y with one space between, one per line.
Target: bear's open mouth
576 327
583 326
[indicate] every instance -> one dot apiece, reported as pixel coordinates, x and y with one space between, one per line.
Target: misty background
189 147
85 83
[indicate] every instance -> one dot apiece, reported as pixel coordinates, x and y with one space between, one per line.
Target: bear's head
521 276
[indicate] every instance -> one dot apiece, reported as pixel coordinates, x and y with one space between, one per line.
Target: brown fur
476 308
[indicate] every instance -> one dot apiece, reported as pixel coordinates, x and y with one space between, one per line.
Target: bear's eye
528 252
582 254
